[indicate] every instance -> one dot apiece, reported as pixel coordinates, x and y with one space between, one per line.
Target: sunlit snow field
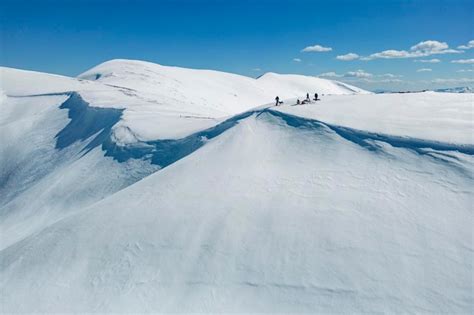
138 187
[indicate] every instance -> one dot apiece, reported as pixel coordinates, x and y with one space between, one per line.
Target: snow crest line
88 121
166 152
362 137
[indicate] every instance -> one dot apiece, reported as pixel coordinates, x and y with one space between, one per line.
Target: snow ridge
87 121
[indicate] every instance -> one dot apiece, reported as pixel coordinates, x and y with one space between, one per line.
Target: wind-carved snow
356 203
51 166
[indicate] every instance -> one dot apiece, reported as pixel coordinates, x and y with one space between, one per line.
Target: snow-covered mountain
138 187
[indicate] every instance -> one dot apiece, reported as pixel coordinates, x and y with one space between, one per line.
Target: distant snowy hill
461 89
138 187
232 92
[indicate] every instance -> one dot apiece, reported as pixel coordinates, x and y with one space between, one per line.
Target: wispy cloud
390 54
453 81
256 69
386 81
463 61
363 76
316 48
427 60
296 59
348 57
422 49
469 45
350 74
390 75
465 70
358 74
331 75
424 70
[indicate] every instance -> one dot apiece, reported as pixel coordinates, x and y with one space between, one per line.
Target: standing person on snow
277 99
307 97
315 96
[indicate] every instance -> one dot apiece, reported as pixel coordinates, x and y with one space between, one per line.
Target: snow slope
52 165
266 218
144 188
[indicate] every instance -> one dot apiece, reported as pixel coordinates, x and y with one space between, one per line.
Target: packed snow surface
143 188
432 116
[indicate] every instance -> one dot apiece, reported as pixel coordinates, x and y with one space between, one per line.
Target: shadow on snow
85 122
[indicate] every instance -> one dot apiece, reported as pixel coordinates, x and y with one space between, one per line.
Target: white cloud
358 74
316 48
362 76
330 75
432 47
427 60
391 54
348 57
463 61
429 46
453 81
386 81
390 75
469 45
422 49
296 59
424 70
375 81
466 70
257 69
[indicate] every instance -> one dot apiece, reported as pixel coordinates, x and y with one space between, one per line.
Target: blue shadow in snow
166 152
86 121
96 122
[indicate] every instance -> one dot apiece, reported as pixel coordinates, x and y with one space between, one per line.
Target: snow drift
357 203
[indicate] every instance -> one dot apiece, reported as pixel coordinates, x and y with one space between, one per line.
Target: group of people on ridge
298 102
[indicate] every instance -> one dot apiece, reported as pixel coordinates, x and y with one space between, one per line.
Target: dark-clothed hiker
307 96
277 99
315 96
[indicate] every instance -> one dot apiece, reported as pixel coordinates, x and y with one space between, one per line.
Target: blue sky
250 37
